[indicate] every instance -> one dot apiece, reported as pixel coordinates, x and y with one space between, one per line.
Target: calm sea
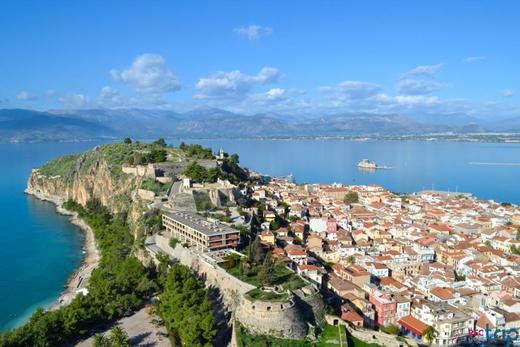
39 249
488 170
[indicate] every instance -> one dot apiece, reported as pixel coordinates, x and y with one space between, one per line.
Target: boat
367 164
371 165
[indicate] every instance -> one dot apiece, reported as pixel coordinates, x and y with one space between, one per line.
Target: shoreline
78 280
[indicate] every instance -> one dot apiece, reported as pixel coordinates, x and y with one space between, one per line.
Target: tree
265 274
158 155
351 259
127 141
256 251
101 341
186 309
118 337
488 243
196 172
351 198
429 334
160 142
459 278
518 233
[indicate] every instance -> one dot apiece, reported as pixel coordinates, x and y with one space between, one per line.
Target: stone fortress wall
285 319
278 318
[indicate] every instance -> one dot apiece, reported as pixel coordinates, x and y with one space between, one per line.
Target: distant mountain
26 125
18 125
508 124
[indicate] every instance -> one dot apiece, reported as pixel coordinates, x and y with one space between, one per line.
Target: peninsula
216 254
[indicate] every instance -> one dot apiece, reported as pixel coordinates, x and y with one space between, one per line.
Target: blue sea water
472 167
39 249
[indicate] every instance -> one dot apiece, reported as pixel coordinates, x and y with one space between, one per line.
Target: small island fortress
289 261
367 164
371 165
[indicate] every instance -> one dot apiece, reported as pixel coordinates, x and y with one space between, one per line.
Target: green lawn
332 336
259 294
282 277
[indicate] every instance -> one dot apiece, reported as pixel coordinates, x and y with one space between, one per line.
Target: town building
198 232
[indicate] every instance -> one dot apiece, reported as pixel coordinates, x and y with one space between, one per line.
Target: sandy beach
78 281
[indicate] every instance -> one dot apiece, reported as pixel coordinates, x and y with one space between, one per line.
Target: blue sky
290 57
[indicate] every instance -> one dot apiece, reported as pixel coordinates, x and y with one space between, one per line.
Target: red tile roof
413 324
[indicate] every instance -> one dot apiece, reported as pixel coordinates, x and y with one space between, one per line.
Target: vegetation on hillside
61 166
116 338
203 201
196 151
229 169
199 174
119 284
186 309
261 269
155 186
114 155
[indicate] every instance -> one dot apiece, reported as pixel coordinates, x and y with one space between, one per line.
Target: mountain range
19 125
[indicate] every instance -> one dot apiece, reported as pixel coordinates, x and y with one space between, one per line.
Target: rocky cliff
96 173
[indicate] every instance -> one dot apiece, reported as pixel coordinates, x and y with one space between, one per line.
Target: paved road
141 331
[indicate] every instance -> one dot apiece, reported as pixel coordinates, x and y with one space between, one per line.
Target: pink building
332 225
385 307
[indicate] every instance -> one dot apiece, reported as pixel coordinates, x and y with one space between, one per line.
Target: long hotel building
200 233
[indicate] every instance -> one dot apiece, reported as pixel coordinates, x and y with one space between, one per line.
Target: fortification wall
230 287
285 319
311 303
139 170
276 318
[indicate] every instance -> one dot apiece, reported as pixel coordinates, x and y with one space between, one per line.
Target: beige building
198 232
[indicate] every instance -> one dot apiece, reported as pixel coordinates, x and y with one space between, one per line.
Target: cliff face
89 175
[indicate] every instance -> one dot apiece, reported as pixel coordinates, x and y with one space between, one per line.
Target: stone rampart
276 318
287 319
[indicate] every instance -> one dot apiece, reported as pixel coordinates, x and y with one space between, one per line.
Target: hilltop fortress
290 318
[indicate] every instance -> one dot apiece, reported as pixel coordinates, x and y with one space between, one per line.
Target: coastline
78 280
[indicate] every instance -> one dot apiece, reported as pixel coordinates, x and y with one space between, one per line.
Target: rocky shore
78 281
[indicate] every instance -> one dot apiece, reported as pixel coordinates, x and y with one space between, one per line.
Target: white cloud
148 74
414 100
358 89
422 71
50 93
74 100
413 86
475 59
108 97
508 93
233 84
26 96
419 80
253 32
275 94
